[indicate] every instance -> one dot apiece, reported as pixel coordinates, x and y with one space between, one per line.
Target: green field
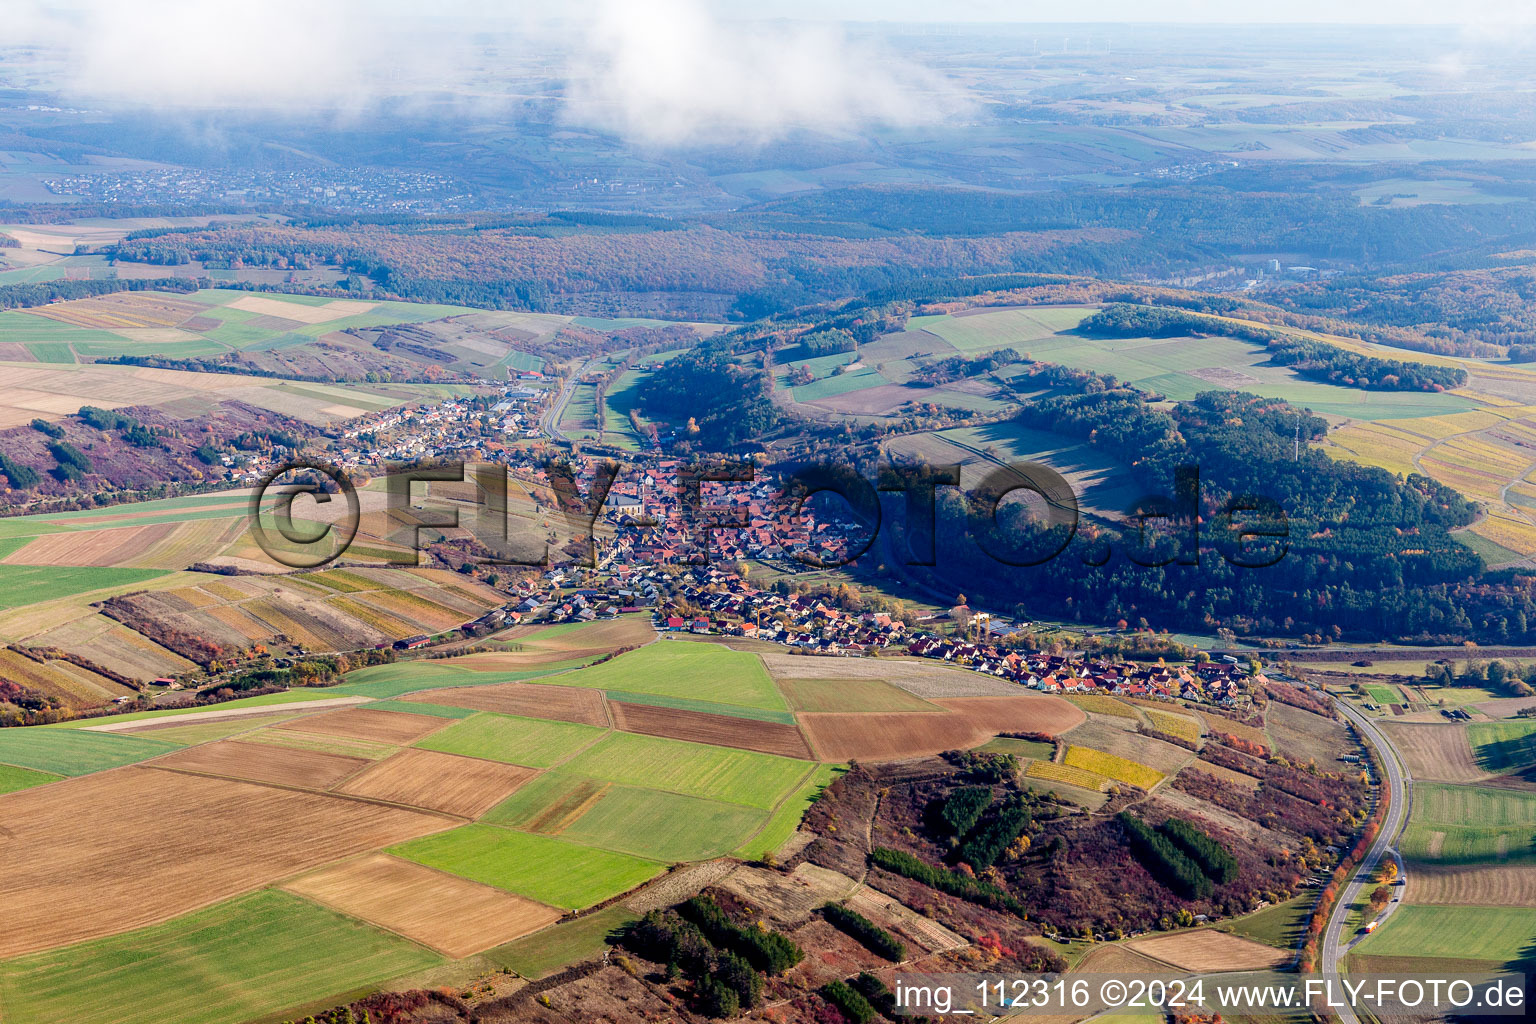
384 681
850 695
1279 926
255 955
13 779
533 742
22 585
786 819
1019 748
693 671
693 769
663 826
704 706
1500 746
1178 368
66 752
1461 933
1470 824
543 868
565 943
300 696
1381 693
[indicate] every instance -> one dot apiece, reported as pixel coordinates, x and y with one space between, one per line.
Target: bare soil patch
970 721
1437 753
453 915
466 786
104 853
1302 736
363 724
1490 885
256 762
1111 739
94 548
920 676
719 730
560 703
1210 950
1120 959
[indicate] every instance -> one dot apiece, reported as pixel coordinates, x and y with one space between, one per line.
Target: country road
551 421
1396 781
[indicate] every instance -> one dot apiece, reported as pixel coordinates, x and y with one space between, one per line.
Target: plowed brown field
1487 885
466 786
452 915
720 730
1210 950
117 850
967 722
560 703
1437 753
256 762
362 724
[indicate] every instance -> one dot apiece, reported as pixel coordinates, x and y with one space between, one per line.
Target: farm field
1435 752
533 742
260 762
454 916
1454 933
1501 746
198 969
663 826
1463 825
965 722
1279 926
567 942
1178 368
528 700
15 779
783 739
543 868
694 671
1210 950
786 819
367 724
98 855
832 695
24 585
62 752
463 786
691 769
1111 766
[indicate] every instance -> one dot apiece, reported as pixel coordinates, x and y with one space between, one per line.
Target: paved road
551 420
1397 782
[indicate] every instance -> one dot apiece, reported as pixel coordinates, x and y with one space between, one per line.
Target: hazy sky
1419 12
662 72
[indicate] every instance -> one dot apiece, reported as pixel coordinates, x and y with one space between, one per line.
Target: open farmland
260 762
834 695
783 739
454 916
1454 933
198 969
463 786
1210 950
966 722
535 743
1452 825
72 752
1435 752
695 671
528 700
1111 766
1502 746
98 855
15 779
1485 884
663 826
542 868
692 769
367 724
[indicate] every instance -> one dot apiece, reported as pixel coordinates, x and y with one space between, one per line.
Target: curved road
551 420
1397 781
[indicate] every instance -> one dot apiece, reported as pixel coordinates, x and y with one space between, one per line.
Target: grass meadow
252 956
544 868
692 769
692 671
532 742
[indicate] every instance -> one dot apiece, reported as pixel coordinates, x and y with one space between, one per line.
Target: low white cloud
672 72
